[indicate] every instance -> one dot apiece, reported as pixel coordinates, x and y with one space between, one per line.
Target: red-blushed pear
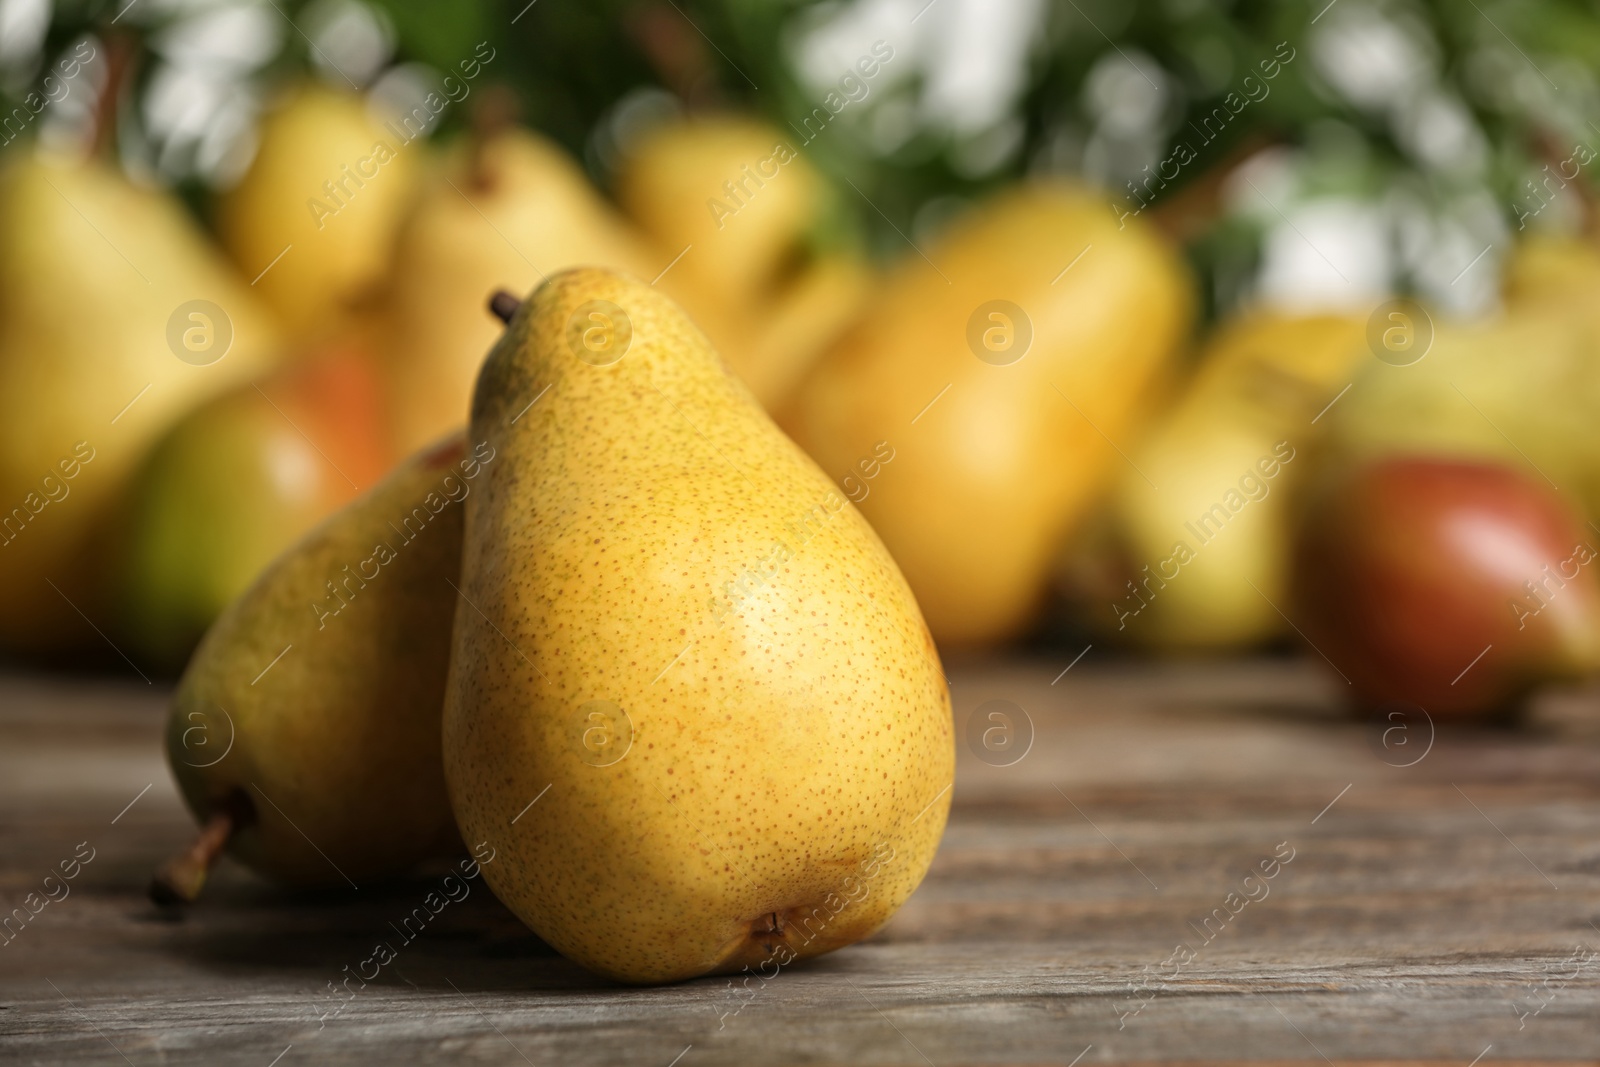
236 482
1451 584
692 704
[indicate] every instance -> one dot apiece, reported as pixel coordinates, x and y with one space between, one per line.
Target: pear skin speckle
692 704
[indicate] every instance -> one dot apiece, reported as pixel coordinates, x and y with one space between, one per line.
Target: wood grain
1427 911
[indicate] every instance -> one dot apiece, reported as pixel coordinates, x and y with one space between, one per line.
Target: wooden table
1441 911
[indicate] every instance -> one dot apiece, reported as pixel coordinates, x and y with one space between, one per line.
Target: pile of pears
356 335
1317 477
619 627
607 602
350 337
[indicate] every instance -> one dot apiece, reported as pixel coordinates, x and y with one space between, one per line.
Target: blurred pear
1412 568
1561 273
240 479
998 371
732 187
102 347
1521 386
506 209
731 205
1560 276
1204 512
326 192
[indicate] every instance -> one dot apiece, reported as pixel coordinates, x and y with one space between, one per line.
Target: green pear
305 732
1520 386
692 703
1205 509
116 317
235 483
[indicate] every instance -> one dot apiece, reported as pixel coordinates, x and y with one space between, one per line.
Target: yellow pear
733 187
503 212
731 204
314 218
305 732
1003 372
116 317
1205 509
692 704
1561 277
1521 387
1555 272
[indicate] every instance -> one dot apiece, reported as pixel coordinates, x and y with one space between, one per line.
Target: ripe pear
1004 371
734 187
104 342
692 704
1454 585
1205 508
782 339
236 482
1555 271
1559 277
305 732
1520 387
740 204
326 192
505 210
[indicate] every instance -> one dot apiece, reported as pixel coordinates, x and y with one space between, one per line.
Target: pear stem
120 55
674 52
1195 207
503 305
495 112
181 878
1546 148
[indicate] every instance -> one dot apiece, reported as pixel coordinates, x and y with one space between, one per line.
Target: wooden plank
1426 912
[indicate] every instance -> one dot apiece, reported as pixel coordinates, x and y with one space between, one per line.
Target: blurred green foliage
1522 73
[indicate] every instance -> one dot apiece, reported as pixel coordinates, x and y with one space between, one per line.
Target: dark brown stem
121 51
180 880
1549 150
495 112
675 50
503 305
1193 209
